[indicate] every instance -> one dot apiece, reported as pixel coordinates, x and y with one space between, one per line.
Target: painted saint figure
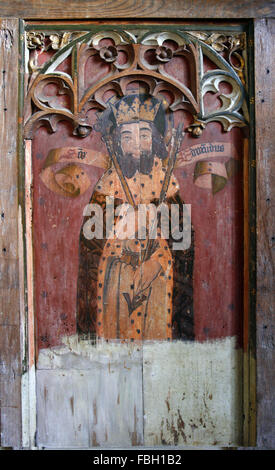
134 288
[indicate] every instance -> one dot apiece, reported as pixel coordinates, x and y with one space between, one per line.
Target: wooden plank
28 384
137 9
9 312
10 369
247 358
9 364
9 277
264 100
28 209
89 397
197 388
11 427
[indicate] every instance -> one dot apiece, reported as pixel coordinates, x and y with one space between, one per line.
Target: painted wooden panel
218 250
9 307
137 117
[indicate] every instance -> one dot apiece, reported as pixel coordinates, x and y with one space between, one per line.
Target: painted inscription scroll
136 135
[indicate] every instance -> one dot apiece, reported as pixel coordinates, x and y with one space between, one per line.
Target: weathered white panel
28 415
94 395
192 393
90 396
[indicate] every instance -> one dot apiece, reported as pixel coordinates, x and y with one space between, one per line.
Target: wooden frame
155 9
10 415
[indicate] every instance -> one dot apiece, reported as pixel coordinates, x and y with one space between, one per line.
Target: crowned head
136 124
132 108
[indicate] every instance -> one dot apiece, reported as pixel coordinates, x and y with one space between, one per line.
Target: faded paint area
28 399
92 395
89 396
198 391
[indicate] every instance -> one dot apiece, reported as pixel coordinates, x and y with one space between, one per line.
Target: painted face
136 137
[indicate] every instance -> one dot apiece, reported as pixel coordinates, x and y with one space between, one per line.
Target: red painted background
217 220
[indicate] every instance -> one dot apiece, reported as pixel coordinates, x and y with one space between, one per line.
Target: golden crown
136 111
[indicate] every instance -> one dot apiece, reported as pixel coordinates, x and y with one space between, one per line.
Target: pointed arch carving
146 56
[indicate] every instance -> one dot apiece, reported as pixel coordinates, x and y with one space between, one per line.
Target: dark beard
129 165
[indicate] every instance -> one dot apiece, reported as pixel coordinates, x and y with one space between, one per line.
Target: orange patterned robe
110 267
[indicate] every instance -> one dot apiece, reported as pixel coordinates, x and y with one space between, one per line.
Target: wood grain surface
187 9
10 416
264 99
10 367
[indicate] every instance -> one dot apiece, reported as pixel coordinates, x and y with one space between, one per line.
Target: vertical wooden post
10 362
249 405
28 379
264 101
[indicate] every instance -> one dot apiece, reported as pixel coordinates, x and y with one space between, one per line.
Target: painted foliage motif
124 110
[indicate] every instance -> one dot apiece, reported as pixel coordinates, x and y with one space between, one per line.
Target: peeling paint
108 406
197 388
28 397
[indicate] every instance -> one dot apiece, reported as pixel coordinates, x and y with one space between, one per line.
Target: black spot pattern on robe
90 252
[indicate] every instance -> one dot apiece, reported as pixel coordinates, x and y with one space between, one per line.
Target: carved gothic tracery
135 56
